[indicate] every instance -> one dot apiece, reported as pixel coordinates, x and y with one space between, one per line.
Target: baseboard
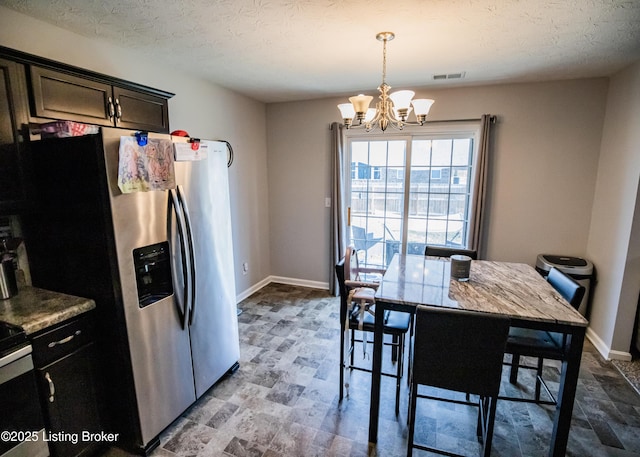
281 280
620 355
300 282
604 350
252 290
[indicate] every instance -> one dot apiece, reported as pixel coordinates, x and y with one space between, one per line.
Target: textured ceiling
278 50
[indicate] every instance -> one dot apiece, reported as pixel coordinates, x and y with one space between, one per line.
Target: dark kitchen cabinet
13 120
69 385
60 95
36 90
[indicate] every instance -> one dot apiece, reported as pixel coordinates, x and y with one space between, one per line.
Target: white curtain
338 197
480 187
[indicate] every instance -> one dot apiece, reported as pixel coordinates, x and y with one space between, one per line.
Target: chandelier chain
384 61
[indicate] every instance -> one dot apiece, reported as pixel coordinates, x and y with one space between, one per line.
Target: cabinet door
70 399
137 110
13 114
57 95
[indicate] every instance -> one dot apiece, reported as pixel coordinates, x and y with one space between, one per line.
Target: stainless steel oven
21 423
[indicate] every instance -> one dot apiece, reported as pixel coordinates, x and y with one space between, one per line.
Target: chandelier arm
376 118
391 114
374 123
399 125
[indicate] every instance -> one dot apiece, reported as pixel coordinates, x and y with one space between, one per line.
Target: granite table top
513 289
35 309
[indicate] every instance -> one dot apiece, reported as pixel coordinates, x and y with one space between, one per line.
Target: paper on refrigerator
145 168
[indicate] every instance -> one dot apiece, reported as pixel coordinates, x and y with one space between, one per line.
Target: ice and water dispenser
153 273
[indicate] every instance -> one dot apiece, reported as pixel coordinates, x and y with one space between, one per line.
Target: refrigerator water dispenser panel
153 273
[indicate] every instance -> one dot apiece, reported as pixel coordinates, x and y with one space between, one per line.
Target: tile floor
283 401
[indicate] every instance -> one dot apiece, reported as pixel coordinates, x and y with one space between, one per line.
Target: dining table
510 289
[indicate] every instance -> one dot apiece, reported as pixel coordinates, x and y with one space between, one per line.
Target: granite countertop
512 289
34 309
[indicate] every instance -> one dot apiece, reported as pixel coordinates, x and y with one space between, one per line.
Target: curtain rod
492 118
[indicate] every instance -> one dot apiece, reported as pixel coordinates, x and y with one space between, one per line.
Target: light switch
327 202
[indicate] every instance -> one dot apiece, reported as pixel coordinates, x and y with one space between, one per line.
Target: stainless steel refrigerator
159 265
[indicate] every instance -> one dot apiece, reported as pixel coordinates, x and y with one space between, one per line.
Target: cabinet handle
112 111
52 387
118 110
64 340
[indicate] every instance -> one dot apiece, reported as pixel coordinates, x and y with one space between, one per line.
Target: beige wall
544 164
299 181
203 109
615 226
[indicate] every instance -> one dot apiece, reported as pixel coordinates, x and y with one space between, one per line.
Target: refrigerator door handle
175 208
191 247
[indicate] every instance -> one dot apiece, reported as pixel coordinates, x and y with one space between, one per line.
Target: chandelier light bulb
422 106
371 113
402 113
402 99
347 111
361 103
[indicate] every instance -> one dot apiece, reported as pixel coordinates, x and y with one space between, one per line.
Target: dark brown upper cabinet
36 90
61 95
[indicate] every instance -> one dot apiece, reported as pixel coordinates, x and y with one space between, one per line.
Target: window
419 191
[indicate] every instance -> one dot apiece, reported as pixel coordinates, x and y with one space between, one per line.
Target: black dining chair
440 251
460 351
444 252
357 312
524 342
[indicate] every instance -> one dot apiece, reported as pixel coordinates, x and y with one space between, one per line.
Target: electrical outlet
245 268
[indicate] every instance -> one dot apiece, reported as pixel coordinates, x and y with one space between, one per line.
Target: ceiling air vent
448 76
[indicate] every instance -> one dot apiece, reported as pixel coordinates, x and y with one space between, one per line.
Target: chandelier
392 109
